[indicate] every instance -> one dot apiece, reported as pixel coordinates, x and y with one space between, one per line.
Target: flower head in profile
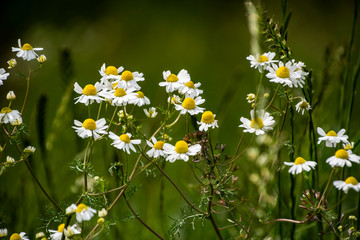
89 93
342 157
174 82
207 121
151 112
70 231
174 99
130 79
259 125
109 74
302 106
10 96
157 148
181 151
17 236
84 212
190 105
261 62
348 145
3 75
57 234
26 51
299 165
140 99
42 58
331 138
349 183
29 150
189 89
10 116
124 142
71 209
90 128
287 75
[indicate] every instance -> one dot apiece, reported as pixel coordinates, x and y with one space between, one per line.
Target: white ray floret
299 165
331 138
191 106
174 82
3 75
157 148
181 151
207 121
90 128
349 183
84 213
124 142
26 51
263 123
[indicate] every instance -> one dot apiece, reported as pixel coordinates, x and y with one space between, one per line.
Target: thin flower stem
272 99
98 114
91 232
209 214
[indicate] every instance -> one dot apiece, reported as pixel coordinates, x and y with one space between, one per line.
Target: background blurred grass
208 38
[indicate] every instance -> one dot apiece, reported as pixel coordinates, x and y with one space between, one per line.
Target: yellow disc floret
89 124
303 105
159 145
89 90
81 207
125 138
119 92
111 70
263 58
190 84
299 160
283 72
61 227
188 103
6 110
172 78
342 153
127 76
27 46
207 117
331 133
257 124
15 236
181 147
351 180
140 94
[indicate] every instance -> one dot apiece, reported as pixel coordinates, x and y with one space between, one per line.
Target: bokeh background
208 38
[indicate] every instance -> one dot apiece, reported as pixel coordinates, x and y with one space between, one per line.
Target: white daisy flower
84 213
71 231
299 165
181 150
3 75
140 99
207 121
119 96
90 128
285 75
151 112
109 74
174 99
3 232
332 138
261 62
300 66
124 142
26 51
10 96
250 98
343 157
129 80
190 105
10 116
89 94
57 234
29 149
189 89
71 209
302 106
21 236
156 148
263 123
174 82
350 182
12 63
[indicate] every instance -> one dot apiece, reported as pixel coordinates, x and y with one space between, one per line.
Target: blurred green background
208 38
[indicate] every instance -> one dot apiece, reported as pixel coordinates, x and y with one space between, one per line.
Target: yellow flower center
111 70
331 133
114 85
342 153
89 124
119 92
15 236
188 103
283 72
181 147
61 227
190 84
89 90
304 105
299 160
125 138
81 207
172 78
159 145
263 58
351 180
257 124
6 110
27 46
207 117
127 76
140 94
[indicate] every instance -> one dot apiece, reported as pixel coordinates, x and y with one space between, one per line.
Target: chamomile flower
21 236
285 74
207 121
10 116
12 63
42 58
174 99
140 99
299 165
250 98
89 94
10 96
190 105
343 157
263 123
151 112
71 231
332 138
3 75
119 96
350 182
90 128
29 149
3 232
129 79
124 142
39 235
57 234
156 148
300 66
26 51
109 74
189 89
302 106
71 209
348 145
84 213
181 150
174 82
102 213
261 62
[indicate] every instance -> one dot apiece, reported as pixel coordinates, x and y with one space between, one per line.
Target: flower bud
10 96
42 58
12 63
